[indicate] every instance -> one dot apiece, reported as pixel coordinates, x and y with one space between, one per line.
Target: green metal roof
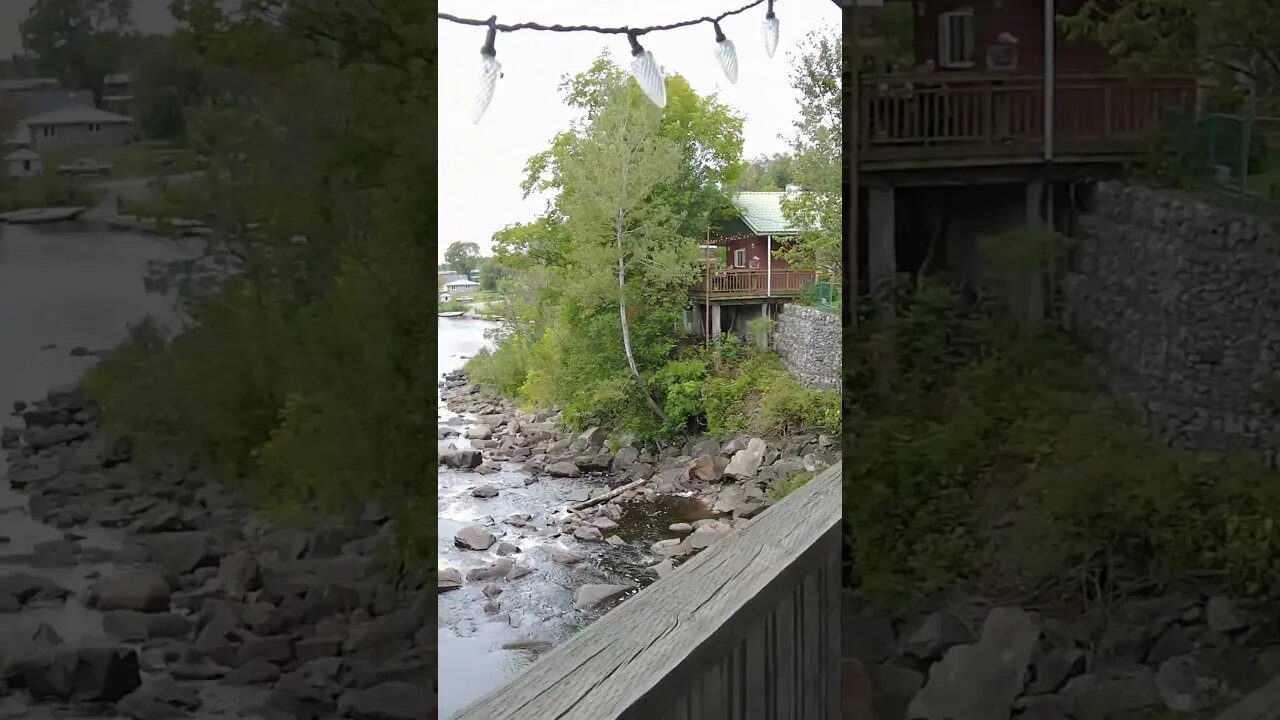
762 212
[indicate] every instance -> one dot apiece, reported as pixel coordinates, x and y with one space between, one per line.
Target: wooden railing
986 116
736 283
749 629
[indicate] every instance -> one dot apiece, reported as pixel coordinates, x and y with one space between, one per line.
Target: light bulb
770 29
490 71
727 55
645 70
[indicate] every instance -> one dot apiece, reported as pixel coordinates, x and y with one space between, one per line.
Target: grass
137 160
47 191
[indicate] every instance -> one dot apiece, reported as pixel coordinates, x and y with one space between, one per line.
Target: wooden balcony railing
749 629
978 118
740 284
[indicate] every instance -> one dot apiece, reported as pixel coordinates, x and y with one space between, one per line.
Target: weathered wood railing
749 629
940 115
738 283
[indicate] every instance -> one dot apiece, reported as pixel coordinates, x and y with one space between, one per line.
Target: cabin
993 120
743 274
23 163
461 286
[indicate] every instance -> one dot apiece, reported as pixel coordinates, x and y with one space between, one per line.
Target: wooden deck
946 120
749 629
739 284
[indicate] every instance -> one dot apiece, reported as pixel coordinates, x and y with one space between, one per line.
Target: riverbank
651 508
205 609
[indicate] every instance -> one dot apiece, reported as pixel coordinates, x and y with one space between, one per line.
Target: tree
768 173
1232 39
462 257
608 181
492 273
816 151
169 80
78 41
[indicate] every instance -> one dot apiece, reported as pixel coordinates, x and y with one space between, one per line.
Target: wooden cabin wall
1021 18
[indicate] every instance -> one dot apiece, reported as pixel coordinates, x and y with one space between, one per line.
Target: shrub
996 464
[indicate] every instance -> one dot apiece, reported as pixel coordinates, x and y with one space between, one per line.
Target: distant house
23 163
78 125
457 286
117 93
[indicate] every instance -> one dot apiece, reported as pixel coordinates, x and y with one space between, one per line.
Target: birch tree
623 242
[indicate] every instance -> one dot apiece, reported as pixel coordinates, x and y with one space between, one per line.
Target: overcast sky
481 166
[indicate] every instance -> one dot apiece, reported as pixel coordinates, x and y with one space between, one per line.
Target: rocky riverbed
1184 652
188 606
555 528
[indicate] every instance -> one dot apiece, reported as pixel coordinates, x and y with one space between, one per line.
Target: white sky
481 166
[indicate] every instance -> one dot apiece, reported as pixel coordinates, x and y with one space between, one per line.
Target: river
63 287
537 607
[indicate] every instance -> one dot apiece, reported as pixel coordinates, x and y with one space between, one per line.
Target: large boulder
746 462
982 680
587 596
474 537
141 589
564 468
100 673
462 459
393 700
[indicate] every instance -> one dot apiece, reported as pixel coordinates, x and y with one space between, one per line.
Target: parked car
85 166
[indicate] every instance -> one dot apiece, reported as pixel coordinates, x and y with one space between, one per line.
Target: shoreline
725 481
204 607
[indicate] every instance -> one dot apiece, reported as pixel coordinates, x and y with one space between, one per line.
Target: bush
46 191
988 458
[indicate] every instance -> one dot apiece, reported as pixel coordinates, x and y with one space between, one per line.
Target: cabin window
26 165
49 131
95 127
955 39
740 258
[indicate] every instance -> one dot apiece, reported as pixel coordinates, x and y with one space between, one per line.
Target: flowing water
63 287
538 607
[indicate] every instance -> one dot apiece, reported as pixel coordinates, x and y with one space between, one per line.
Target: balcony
945 120
724 284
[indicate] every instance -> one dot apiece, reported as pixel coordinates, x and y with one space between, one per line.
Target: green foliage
758 332
77 41
462 257
783 487
767 173
816 149
757 395
987 458
679 382
46 191
307 373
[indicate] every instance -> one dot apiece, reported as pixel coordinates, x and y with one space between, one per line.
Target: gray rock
604 524
467 459
588 533
564 468
239 574
564 556
140 589
981 681
134 626
255 672
587 596
681 528
479 432
387 701
484 491
1222 615
99 673
746 462
493 571
939 632
448 579
474 537
1053 666
1111 691
1186 686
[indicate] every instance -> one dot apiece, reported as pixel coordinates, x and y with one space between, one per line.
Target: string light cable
644 68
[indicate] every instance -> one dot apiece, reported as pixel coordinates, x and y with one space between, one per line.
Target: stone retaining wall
1178 301
809 341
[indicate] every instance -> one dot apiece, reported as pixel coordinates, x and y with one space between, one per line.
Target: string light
644 68
647 73
490 71
726 55
770 29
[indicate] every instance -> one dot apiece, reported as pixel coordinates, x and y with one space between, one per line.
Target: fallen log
607 496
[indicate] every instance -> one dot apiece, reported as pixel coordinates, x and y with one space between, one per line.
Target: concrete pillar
716 311
882 262
1028 295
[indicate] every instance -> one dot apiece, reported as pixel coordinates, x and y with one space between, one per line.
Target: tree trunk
626 326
